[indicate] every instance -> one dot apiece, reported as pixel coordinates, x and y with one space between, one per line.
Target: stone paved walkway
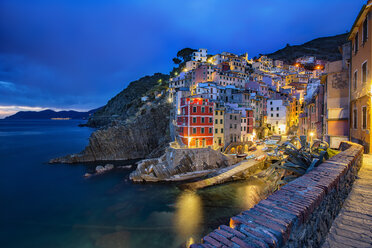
353 225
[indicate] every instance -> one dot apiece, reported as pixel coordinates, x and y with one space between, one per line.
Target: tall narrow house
360 85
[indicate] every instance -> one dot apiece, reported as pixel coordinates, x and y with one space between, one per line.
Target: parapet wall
300 213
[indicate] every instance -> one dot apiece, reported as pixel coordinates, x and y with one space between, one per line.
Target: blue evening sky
76 54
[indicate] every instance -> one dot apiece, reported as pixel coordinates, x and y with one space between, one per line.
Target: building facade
195 122
360 85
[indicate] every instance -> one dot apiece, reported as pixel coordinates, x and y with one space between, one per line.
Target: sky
77 54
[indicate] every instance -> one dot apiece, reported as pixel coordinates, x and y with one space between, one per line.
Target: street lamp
311 137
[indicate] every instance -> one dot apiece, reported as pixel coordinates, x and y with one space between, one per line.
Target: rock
86 175
124 166
146 136
180 161
100 169
109 167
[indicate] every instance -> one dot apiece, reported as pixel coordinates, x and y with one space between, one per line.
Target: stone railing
300 213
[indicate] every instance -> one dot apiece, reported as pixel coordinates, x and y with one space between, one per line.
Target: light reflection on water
188 217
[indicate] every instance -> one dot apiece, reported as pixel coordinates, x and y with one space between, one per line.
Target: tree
177 61
185 54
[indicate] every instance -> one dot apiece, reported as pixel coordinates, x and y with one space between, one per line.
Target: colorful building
196 122
360 86
219 135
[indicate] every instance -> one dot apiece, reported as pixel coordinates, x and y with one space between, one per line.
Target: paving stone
353 225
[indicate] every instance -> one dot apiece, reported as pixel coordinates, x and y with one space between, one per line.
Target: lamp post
311 137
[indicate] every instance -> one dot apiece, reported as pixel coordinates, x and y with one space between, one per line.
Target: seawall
300 214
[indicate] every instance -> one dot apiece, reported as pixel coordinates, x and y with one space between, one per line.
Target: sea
54 206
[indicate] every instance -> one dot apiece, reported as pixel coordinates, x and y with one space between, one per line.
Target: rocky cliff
127 103
146 135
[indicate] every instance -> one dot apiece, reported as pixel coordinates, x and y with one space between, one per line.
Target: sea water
44 205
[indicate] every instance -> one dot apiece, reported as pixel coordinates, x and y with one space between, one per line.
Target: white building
200 55
277 116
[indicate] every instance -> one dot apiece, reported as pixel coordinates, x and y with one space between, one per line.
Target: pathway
353 225
228 173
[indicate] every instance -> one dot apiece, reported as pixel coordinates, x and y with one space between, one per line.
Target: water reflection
249 194
188 217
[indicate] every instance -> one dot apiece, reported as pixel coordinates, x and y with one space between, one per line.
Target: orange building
360 82
196 122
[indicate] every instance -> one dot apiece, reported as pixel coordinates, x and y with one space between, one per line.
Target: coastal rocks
176 163
102 169
148 131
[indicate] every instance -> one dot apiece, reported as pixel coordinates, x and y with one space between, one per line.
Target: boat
241 155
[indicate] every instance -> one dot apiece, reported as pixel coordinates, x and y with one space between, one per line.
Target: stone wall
300 213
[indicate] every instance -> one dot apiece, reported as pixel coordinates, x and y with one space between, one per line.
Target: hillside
48 114
325 48
128 101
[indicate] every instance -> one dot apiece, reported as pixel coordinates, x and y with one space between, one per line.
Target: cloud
7 86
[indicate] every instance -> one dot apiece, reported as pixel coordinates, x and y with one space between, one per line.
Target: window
272 115
356 43
235 126
365 30
272 109
364 73
194 130
271 103
355 81
221 121
277 108
216 131
210 120
203 110
277 115
202 120
210 130
210 109
194 109
216 121
355 119
230 125
194 120
221 130
202 130
364 117
230 117
216 112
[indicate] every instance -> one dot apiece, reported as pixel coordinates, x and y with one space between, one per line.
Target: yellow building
290 78
218 137
360 82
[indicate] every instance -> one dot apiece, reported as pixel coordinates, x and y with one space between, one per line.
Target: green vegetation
326 48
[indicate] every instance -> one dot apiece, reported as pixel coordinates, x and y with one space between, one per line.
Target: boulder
180 161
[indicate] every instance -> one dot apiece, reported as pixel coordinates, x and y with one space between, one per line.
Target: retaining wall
300 213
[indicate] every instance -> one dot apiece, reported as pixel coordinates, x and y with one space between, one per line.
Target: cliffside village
227 98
